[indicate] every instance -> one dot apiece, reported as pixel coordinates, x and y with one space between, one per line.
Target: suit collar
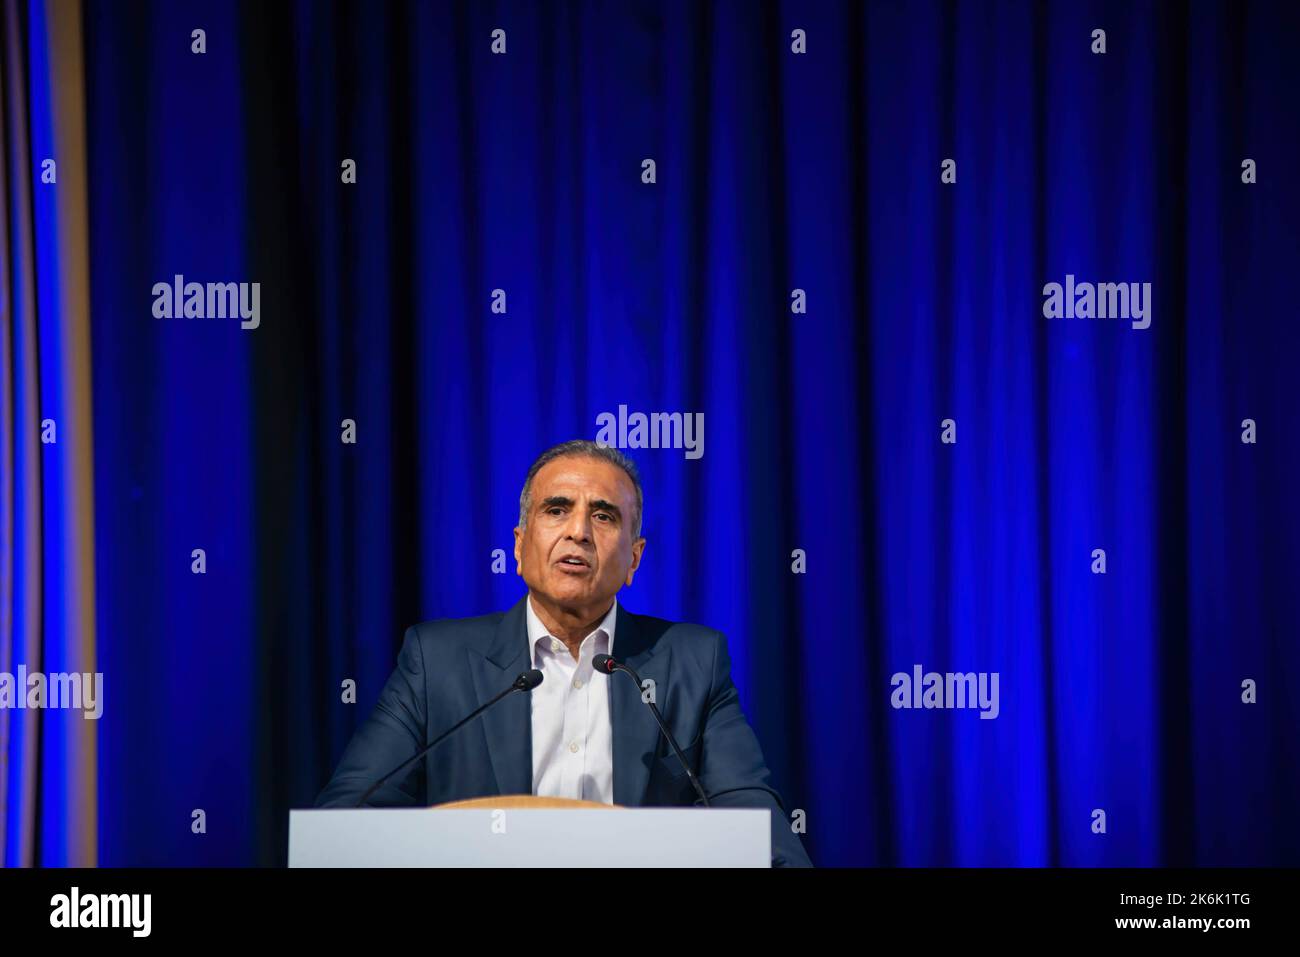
509 647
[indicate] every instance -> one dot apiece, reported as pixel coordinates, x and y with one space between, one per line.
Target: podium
527 831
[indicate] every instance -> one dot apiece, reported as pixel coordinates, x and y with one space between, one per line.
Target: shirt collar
537 631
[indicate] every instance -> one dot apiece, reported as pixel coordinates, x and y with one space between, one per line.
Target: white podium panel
532 837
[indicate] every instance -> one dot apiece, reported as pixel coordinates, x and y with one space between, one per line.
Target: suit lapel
508 726
635 732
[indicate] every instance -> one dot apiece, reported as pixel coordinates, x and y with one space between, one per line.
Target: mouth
573 564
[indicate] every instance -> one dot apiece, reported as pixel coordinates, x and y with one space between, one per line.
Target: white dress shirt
573 747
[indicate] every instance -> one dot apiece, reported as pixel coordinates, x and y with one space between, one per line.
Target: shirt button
577 682
555 644
573 747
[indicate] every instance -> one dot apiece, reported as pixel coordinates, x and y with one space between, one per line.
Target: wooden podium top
519 801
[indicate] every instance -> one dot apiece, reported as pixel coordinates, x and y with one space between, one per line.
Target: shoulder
698 643
664 628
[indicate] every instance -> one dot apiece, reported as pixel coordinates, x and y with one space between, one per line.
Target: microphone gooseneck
608 665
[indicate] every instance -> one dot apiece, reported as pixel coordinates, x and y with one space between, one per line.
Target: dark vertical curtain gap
1178 786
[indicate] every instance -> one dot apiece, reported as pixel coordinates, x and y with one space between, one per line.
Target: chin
565 589
580 595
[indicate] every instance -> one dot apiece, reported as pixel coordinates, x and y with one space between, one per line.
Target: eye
606 516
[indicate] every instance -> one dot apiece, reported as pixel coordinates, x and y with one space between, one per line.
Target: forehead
579 476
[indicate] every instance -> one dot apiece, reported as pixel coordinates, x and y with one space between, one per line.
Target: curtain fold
48 760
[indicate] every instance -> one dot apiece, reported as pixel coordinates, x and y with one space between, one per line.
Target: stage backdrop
827 229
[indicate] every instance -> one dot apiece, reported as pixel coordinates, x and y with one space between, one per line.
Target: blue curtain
48 755
775 171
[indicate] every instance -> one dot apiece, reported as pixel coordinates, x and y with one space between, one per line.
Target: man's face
577 549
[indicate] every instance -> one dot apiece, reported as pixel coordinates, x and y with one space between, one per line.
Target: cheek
541 546
614 557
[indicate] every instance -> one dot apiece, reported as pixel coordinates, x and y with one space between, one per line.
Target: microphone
608 665
526 681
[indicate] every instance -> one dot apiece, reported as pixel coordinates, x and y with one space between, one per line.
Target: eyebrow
598 505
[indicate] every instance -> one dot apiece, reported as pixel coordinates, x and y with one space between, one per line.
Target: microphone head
528 680
604 664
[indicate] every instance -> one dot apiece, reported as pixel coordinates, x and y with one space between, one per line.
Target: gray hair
587 449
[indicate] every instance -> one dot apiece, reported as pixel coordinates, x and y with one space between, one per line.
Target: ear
519 542
637 548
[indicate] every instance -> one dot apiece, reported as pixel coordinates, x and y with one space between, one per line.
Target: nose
578 528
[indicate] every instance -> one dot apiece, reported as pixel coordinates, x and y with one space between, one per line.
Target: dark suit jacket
448 668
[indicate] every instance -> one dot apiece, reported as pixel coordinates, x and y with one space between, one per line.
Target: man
579 734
